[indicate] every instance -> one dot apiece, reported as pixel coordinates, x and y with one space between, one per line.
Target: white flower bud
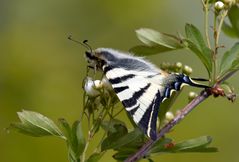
178 65
169 116
219 5
192 95
187 70
98 84
106 84
90 87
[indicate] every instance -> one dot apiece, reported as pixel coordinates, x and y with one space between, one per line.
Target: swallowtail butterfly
139 84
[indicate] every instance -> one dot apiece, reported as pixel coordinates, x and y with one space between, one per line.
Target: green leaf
212 1
122 155
75 139
196 143
66 128
230 60
78 140
112 137
35 124
117 140
196 44
143 50
192 145
112 126
233 15
195 36
159 42
150 160
95 157
159 146
229 30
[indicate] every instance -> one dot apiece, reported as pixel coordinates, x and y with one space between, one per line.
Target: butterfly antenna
87 45
84 43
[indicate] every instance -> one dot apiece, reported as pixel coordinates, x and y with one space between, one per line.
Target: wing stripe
149 119
133 100
107 68
121 79
153 118
120 89
132 111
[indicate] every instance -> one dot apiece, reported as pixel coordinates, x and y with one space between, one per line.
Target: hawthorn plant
101 106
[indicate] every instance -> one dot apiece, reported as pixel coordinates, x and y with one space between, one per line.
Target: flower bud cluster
176 67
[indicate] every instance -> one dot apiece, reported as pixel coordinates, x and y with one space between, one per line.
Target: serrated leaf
196 44
154 38
35 124
116 141
95 157
230 60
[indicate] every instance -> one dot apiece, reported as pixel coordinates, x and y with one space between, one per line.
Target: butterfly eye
89 55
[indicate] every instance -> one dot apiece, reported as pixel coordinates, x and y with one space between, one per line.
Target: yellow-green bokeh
40 70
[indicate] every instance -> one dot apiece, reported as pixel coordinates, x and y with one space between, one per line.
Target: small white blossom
90 88
219 5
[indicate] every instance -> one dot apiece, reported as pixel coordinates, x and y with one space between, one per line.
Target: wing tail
191 81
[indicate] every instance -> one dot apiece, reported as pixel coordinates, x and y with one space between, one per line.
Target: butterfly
139 85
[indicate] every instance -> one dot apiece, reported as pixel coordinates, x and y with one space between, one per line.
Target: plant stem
142 152
214 57
206 9
223 15
85 149
217 32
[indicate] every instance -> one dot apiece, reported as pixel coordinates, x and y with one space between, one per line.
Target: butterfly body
139 84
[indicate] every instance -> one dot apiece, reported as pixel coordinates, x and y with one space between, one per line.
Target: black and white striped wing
140 97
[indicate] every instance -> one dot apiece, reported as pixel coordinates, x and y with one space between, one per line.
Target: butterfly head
95 59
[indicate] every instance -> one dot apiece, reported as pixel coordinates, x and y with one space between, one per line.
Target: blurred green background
40 70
